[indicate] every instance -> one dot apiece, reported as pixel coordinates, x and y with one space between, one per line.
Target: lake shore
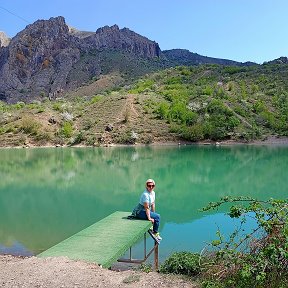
270 140
61 272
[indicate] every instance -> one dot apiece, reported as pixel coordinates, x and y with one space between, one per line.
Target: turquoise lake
48 194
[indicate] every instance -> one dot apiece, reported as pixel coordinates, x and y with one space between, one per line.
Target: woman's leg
156 218
153 215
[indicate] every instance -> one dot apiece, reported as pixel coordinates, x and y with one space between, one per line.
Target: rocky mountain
48 58
4 39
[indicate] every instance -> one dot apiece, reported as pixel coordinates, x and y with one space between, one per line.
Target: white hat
150 181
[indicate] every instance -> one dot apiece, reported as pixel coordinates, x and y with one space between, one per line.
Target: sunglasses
151 186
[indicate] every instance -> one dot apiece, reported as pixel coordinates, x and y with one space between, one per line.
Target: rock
37 61
4 39
109 127
52 120
123 39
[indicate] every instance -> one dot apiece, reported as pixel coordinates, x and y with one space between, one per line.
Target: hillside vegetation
191 103
214 102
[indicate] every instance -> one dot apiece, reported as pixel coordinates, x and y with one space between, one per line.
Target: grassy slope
220 103
193 103
128 115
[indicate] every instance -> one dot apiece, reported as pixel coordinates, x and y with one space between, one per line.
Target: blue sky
241 30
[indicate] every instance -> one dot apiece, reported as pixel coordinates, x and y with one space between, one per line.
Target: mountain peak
45 58
108 29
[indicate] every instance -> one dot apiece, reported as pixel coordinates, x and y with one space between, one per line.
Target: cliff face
124 39
39 60
4 39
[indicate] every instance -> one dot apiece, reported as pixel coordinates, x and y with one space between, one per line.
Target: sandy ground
62 272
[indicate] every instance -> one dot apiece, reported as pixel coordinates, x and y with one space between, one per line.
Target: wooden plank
103 242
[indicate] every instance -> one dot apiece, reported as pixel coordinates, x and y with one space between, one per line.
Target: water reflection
47 195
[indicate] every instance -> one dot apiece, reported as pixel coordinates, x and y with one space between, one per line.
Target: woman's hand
152 220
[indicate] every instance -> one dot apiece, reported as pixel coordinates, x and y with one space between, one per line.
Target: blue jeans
153 215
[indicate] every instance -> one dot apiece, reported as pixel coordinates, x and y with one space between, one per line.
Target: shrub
18 105
57 107
174 80
240 110
78 139
96 99
259 106
43 137
149 105
193 133
185 263
217 107
29 126
258 258
221 121
220 93
129 137
67 129
181 114
208 90
143 86
163 110
233 69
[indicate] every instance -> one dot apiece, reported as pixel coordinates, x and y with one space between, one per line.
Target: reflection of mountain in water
57 192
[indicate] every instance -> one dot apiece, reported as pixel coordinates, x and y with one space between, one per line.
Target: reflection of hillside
188 172
205 174
40 220
57 192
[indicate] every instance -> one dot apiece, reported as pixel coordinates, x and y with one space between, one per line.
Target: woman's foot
157 235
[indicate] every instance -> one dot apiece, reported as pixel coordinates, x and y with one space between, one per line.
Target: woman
146 208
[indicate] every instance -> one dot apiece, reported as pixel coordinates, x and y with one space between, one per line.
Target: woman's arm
147 210
153 207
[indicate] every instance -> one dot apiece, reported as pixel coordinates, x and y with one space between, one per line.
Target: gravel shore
62 272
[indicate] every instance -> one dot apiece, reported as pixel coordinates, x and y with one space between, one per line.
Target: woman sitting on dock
146 208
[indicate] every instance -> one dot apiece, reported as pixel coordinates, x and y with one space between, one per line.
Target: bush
29 126
96 99
258 258
174 80
179 113
67 129
163 110
193 133
185 263
221 120
78 139
143 86
57 107
208 90
128 137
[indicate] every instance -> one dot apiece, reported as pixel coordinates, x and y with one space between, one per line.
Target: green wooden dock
105 241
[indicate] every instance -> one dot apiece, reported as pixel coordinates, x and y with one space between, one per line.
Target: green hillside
217 103
191 103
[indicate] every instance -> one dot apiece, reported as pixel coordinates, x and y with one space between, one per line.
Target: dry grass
129 116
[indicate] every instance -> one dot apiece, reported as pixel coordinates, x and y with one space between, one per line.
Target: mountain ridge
48 58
